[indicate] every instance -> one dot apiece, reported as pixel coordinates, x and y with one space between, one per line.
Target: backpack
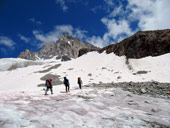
47 83
79 80
67 82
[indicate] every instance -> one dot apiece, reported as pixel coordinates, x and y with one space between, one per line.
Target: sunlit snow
23 103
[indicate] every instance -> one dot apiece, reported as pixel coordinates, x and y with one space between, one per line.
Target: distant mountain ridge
139 45
142 44
66 47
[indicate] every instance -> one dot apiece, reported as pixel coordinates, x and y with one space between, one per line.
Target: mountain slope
142 44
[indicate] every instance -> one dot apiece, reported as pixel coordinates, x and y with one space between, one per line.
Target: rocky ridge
153 88
142 44
139 45
66 47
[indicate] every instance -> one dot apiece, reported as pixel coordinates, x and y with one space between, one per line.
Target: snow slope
92 68
23 104
96 68
9 63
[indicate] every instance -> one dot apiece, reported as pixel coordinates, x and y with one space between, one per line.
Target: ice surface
89 107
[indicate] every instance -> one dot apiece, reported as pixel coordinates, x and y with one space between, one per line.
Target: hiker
48 84
67 84
79 81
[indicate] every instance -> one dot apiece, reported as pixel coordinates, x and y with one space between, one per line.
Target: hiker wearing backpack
67 84
48 84
79 81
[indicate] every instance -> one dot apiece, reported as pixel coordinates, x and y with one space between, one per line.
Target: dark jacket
66 81
49 83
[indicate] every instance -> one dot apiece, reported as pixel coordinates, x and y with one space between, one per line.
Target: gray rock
50 68
131 103
89 74
65 58
143 90
140 72
65 48
119 77
155 110
27 55
153 89
147 102
129 95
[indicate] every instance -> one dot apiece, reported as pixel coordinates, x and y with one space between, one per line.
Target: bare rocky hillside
142 44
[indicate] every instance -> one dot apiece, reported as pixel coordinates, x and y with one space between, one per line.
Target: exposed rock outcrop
85 50
142 44
27 55
153 88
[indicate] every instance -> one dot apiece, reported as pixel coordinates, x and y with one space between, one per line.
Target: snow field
92 68
23 104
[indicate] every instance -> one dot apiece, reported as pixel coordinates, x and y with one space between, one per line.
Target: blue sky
29 24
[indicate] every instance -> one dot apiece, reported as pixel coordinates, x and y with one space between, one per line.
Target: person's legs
80 86
51 90
46 90
66 88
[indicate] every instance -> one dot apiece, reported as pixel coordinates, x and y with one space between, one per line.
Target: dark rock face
65 46
142 44
65 58
85 50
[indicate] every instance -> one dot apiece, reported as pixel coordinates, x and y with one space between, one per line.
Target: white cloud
54 35
117 11
116 31
116 22
7 42
25 39
35 21
108 5
152 14
62 4
96 40
80 34
116 28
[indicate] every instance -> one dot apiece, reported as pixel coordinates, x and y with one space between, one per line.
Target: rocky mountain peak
65 37
27 50
67 47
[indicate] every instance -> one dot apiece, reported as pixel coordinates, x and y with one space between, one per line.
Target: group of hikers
49 86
